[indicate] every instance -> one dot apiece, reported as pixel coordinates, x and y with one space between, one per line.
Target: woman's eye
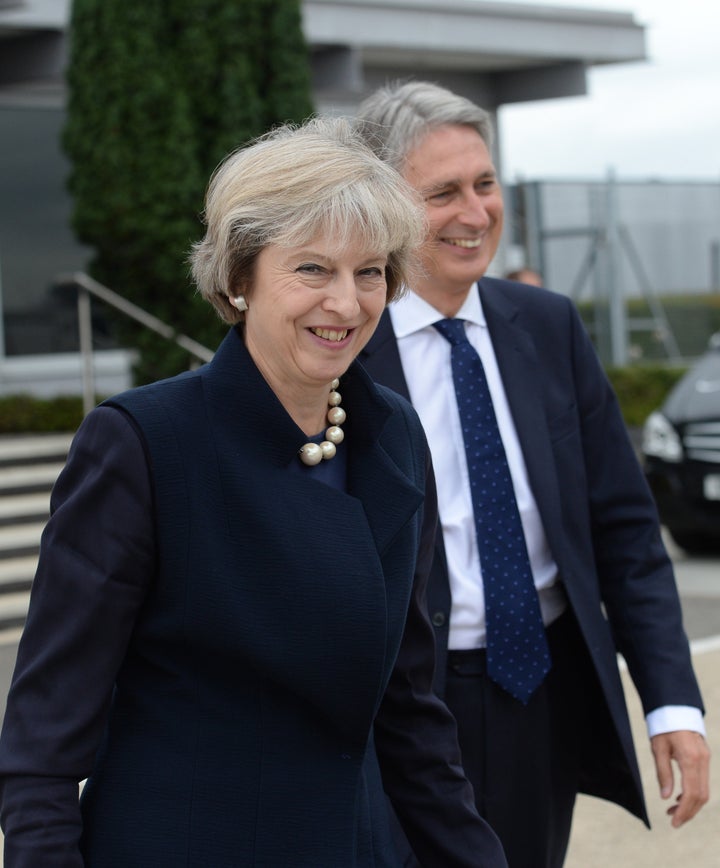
310 268
372 272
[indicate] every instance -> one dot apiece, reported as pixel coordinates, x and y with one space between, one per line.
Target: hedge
640 390
23 414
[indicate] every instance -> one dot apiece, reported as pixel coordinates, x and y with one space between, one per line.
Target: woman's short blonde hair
293 185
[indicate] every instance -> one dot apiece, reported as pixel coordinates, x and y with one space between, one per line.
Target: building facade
493 52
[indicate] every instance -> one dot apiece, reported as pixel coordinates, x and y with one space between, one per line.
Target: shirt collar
411 313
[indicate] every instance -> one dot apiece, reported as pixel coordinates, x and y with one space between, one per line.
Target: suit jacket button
438 619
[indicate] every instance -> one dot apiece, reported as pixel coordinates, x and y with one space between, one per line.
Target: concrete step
17 479
22 508
29 466
17 541
13 609
33 448
16 578
16 574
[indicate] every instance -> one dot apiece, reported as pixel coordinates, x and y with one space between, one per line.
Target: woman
226 634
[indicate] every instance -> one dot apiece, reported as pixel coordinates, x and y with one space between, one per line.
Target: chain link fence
640 259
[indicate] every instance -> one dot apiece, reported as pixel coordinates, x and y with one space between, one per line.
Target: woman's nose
342 296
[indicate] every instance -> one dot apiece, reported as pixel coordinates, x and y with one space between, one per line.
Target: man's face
452 169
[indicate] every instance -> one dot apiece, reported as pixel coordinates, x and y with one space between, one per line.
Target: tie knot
453 330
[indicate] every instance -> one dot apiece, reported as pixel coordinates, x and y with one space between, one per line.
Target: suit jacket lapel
389 497
383 358
522 377
243 408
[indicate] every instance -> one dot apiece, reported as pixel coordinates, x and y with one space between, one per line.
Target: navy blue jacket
236 655
597 511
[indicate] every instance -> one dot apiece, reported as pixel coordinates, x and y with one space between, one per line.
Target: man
525 275
598 575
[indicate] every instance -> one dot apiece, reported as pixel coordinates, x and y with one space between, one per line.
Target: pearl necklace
312 453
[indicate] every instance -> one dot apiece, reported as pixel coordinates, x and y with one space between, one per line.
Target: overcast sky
655 119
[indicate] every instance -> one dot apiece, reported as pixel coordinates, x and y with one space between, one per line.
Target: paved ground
604 836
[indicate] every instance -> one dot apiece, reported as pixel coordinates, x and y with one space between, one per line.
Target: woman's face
311 310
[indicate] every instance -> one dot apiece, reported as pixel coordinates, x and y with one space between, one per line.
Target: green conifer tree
159 92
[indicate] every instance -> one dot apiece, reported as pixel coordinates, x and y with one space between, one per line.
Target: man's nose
474 211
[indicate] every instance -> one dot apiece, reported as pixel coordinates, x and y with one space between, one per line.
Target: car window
697 395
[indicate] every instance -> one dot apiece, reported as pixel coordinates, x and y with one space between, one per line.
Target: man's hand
692 755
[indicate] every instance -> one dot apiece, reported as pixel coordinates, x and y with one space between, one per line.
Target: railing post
86 288
615 290
86 349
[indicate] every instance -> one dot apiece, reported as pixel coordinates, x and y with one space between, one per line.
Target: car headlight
660 439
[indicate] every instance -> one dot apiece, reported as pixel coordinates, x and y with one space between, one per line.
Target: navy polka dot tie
517 653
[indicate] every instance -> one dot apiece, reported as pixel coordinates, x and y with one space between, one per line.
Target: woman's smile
333 335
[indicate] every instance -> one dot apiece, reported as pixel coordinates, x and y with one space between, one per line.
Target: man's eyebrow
440 185
487 175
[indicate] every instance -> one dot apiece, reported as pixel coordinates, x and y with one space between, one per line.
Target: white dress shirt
422 348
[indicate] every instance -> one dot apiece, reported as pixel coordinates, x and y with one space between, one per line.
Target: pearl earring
240 303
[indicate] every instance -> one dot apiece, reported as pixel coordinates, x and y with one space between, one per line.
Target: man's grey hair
396 117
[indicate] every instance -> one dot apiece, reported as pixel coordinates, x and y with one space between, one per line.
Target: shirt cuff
671 718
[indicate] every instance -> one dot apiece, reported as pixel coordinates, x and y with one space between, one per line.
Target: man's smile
468 243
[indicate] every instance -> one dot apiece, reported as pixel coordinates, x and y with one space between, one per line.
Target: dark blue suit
599 519
237 655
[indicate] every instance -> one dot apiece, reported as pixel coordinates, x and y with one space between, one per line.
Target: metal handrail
87 287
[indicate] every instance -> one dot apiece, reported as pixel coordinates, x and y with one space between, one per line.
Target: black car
681 453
